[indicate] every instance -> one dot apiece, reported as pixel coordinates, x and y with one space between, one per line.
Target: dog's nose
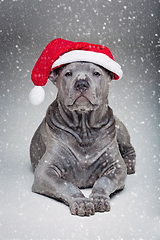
81 85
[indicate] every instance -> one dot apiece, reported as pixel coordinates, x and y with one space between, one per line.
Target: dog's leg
112 180
48 182
37 147
126 149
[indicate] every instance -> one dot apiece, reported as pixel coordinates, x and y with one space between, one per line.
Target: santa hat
60 52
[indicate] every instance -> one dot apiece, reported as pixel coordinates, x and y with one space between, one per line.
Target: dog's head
82 86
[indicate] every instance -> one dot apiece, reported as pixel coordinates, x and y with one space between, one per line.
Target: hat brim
89 56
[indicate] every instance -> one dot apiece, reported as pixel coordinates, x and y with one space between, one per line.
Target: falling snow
131 30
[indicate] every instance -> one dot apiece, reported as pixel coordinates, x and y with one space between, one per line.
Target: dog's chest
85 151
82 165
77 161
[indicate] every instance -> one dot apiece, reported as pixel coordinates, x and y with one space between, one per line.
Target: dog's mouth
82 103
81 100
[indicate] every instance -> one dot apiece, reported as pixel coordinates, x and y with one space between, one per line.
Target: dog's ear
110 74
53 76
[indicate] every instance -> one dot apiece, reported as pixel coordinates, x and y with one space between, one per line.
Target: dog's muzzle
82 95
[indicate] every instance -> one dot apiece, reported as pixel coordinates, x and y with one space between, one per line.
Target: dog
80 143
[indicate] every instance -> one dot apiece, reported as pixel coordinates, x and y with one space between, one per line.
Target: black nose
81 85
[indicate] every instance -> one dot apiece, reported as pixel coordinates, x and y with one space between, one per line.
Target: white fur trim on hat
89 56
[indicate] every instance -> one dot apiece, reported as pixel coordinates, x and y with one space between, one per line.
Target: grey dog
80 143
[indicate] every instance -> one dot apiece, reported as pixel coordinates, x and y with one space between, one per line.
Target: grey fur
80 143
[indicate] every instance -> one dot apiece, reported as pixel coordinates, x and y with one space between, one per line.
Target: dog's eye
68 74
97 74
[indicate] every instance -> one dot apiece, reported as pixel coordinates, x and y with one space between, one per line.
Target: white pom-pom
37 95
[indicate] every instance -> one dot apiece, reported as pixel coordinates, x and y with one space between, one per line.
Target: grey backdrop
131 29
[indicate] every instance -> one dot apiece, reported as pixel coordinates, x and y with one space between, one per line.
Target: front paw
81 207
101 202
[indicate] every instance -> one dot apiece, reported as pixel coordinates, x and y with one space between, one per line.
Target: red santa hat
60 52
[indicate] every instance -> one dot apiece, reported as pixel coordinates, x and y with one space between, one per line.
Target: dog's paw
82 207
101 202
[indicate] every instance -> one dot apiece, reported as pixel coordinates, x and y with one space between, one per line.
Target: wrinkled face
83 86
